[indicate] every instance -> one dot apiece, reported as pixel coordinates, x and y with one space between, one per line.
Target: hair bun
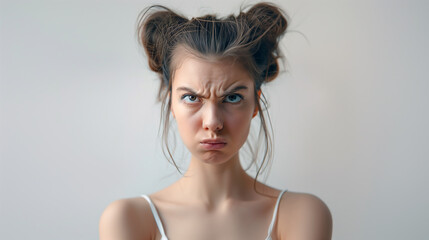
268 20
155 31
268 24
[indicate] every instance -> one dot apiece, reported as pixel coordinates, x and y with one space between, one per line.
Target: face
213 104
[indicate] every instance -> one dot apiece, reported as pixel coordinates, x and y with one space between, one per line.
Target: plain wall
79 116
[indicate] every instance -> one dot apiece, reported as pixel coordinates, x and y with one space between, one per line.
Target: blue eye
190 98
233 98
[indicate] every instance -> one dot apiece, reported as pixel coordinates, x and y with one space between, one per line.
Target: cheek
188 123
238 122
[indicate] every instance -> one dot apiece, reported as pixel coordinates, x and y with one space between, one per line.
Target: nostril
213 125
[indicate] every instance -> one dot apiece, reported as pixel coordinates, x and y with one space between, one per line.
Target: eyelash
185 98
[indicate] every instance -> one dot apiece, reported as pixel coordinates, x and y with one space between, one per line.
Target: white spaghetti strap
156 216
273 220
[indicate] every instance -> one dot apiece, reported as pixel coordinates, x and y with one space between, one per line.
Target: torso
247 218
299 215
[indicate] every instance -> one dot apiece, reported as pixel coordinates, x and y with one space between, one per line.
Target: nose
212 117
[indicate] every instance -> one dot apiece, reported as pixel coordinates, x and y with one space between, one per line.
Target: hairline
189 52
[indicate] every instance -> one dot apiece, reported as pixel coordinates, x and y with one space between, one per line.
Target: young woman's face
213 103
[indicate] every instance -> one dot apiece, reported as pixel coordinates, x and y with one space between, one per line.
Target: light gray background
79 118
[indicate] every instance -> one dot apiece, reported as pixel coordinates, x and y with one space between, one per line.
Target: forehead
195 71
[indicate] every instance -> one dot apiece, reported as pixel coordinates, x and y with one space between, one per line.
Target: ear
255 112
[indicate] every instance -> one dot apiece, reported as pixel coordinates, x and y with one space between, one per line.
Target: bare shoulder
127 219
304 216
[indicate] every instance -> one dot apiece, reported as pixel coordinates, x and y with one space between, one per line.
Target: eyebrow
186 89
224 94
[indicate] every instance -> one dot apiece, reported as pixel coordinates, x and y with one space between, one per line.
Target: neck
213 184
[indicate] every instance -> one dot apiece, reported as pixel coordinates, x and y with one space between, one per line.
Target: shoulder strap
156 216
273 220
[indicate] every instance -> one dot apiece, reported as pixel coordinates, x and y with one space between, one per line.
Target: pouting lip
213 141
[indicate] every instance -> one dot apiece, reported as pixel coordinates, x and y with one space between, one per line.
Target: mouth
213 144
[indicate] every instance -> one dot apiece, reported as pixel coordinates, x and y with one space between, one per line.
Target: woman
211 73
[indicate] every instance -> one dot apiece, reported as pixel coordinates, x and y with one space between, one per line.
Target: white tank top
161 228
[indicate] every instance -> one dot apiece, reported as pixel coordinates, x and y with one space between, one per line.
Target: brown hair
251 38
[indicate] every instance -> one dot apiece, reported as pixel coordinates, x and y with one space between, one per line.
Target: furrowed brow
186 89
235 90
226 93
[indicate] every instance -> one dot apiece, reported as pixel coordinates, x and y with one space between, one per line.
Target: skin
215 200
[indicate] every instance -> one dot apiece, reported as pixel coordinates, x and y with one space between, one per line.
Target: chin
214 157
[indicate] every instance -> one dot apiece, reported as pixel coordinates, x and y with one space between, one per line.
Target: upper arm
306 217
316 219
123 220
